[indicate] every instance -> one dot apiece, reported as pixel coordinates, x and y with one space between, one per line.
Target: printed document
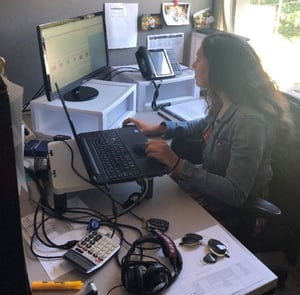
233 275
121 24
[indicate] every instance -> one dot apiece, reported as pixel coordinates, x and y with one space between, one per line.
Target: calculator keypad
95 249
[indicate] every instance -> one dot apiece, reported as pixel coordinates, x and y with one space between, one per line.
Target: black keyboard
113 156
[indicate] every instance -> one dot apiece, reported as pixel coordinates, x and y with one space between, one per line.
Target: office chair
281 232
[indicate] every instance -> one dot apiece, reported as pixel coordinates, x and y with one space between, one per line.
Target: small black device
61 137
150 276
36 148
157 223
91 289
155 64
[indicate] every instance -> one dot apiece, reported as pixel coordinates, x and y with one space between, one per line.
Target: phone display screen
161 63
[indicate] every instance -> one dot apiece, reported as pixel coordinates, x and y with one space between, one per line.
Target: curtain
224 13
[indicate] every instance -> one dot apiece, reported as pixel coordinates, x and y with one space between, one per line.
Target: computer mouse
140 149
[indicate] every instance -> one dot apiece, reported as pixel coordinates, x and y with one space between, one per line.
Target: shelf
115 102
173 90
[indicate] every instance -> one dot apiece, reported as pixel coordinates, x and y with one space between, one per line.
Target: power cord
80 215
154 106
144 183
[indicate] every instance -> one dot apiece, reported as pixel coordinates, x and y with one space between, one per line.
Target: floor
292 284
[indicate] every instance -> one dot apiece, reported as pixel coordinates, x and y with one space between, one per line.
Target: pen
56 285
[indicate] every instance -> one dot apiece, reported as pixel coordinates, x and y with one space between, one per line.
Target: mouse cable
120 70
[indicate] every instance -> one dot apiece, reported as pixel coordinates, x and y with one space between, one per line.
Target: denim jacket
235 159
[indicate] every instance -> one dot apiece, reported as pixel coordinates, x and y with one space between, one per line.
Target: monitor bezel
51 93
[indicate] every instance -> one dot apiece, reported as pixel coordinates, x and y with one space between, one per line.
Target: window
273 27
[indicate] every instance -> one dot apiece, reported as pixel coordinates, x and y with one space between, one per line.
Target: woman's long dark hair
236 72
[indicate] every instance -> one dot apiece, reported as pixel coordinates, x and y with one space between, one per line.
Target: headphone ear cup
132 278
156 278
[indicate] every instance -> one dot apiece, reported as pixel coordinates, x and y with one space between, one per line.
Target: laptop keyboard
115 159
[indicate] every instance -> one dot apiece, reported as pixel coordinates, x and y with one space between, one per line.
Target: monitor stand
81 93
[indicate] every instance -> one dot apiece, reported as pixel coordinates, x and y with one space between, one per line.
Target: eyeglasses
191 240
216 248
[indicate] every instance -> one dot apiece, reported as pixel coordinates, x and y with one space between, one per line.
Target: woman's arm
245 155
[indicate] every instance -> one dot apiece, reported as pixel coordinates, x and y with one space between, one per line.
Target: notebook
115 155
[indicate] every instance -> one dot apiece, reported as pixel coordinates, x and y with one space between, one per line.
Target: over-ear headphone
147 277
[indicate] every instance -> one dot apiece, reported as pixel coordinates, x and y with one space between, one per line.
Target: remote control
92 251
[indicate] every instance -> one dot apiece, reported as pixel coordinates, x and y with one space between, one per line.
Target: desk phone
157 64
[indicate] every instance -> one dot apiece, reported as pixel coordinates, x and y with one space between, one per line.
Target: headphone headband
151 277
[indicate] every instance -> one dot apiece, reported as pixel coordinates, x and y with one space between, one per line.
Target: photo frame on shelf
176 14
203 19
149 22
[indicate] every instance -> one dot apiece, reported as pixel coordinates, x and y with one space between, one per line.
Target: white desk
169 202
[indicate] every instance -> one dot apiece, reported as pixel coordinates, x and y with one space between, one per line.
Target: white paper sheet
59 231
174 40
189 110
121 21
231 275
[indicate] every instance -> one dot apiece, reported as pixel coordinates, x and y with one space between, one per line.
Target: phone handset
145 63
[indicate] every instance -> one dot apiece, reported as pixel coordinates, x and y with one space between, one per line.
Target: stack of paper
185 111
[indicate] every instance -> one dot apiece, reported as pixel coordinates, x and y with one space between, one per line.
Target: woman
246 113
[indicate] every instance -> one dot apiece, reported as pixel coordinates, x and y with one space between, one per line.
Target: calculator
92 251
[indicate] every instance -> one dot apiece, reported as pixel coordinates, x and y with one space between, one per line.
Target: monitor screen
73 51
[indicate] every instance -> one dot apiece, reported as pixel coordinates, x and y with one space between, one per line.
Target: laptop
114 155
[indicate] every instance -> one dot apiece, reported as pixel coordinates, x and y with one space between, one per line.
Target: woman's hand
160 150
145 128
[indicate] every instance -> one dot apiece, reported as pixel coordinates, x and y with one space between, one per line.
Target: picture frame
203 19
176 15
149 22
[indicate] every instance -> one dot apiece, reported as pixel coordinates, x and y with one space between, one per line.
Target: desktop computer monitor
72 51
